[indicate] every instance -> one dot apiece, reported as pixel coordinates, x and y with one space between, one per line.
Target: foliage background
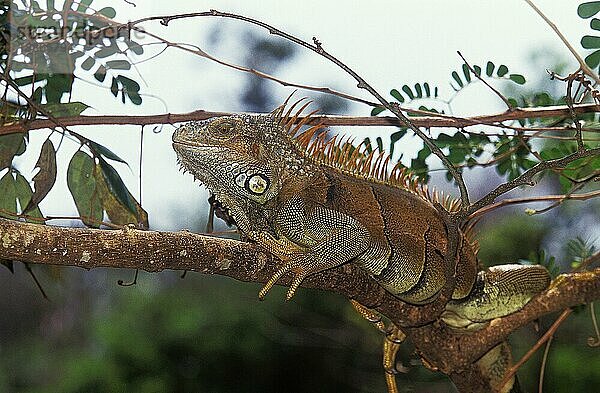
211 334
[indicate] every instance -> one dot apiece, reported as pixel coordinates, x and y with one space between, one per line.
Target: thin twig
579 59
513 370
543 365
543 198
509 106
594 341
526 177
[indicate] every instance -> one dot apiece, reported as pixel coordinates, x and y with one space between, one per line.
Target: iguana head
240 157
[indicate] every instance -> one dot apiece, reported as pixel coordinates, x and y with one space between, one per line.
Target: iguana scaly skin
318 203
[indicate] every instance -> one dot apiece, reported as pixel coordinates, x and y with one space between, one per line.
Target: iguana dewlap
318 203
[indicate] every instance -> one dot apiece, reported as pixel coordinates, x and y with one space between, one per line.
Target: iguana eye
257 184
223 126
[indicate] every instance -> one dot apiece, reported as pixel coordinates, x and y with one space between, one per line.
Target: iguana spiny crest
318 203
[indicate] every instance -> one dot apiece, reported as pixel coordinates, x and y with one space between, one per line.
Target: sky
389 43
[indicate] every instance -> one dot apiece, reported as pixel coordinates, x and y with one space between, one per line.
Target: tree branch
328 120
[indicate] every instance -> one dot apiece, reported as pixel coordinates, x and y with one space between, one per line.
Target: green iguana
318 202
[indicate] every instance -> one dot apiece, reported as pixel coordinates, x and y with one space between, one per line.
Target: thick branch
157 251
328 120
444 349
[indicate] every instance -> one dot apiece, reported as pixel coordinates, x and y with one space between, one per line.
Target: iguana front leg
311 239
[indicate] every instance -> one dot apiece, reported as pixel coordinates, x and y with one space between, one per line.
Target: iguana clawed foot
299 275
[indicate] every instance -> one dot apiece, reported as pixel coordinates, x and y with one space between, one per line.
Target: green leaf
395 137
116 186
489 69
100 73
135 98
108 12
118 65
397 95
135 47
427 89
114 87
418 90
88 63
590 42
106 51
377 110
24 193
502 70
406 89
8 196
593 60
11 145
65 109
457 78
379 144
466 72
45 178
477 70
81 181
106 152
589 9
517 78
595 24
57 85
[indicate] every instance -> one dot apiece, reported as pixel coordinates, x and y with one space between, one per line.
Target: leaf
397 95
108 12
57 85
11 145
135 47
457 78
377 110
379 144
477 70
24 193
65 109
589 9
105 151
590 42
8 196
118 213
466 72
114 87
595 24
106 51
88 63
406 89
116 186
395 137
45 178
81 181
489 68
418 90
502 70
593 60
100 74
427 89
517 78
118 65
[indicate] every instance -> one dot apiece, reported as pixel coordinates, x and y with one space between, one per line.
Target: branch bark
328 120
448 351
